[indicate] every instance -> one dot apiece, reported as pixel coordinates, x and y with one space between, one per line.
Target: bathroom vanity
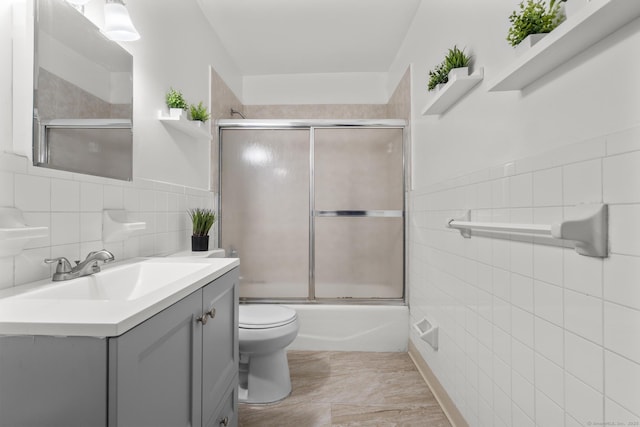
176 365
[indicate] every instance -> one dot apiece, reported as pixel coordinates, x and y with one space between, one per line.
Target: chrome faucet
64 271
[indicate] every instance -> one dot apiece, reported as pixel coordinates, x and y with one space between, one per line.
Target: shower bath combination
315 209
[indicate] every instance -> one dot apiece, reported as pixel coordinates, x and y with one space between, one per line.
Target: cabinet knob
205 317
224 421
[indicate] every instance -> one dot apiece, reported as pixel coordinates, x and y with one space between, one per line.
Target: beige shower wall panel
328 111
59 98
222 101
399 105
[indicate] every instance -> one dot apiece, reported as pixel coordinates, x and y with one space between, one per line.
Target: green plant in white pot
456 63
176 102
202 221
533 21
199 112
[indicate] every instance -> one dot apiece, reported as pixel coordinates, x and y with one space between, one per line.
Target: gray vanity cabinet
175 369
178 368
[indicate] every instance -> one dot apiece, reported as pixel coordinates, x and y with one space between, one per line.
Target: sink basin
121 283
109 303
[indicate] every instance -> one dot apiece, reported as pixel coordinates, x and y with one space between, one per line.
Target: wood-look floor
350 389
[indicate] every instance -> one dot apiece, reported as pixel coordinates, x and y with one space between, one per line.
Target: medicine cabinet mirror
82 98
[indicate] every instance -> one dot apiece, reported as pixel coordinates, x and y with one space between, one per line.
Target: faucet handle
64 266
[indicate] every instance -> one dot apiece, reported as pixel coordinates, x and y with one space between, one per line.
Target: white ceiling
310 36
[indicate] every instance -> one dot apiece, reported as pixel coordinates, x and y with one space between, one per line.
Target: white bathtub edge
352 328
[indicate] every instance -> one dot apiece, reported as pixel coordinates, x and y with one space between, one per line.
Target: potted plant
437 77
202 220
533 22
175 102
199 112
456 63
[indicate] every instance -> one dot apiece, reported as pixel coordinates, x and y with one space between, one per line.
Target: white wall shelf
592 23
15 233
455 89
193 128
588 230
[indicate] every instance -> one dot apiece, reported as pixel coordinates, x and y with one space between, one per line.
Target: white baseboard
451 411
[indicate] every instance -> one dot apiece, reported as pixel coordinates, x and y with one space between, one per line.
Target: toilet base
264 378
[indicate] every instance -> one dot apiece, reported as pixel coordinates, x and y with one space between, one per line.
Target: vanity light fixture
117 22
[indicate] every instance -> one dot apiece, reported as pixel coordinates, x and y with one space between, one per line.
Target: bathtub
351 327
325 327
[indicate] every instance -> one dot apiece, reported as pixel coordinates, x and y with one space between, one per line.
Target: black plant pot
199 243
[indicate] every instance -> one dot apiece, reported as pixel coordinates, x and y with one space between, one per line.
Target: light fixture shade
117 23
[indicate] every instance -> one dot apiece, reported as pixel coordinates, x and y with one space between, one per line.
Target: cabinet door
53 381
219 343
155 370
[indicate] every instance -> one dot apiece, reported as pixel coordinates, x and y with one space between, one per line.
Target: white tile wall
624 229
523 394
556 333
547 187
583 403
622 381
622 183
582 182
71 206
621 275
6 189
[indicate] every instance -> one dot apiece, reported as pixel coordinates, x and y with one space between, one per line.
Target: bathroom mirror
82 98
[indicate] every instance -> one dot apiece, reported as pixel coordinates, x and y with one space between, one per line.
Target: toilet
265 331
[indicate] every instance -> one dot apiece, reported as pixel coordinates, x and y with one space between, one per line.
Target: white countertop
95 317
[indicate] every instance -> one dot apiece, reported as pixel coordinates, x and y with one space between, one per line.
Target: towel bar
589 231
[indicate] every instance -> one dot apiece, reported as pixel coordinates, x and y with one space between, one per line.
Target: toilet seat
263 316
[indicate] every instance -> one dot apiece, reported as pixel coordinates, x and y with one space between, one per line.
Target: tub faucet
64 271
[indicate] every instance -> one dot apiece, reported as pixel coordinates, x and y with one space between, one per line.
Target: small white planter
175 112
456 73
528 42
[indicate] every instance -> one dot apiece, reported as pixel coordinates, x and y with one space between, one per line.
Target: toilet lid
261 316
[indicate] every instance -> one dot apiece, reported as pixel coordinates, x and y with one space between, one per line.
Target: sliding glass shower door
264 212
359 198
314 213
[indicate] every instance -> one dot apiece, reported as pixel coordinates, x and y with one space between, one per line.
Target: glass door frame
311 125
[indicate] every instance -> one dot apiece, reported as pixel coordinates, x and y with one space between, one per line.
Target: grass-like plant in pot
176 102
455 59
202 221
199 112
534 18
